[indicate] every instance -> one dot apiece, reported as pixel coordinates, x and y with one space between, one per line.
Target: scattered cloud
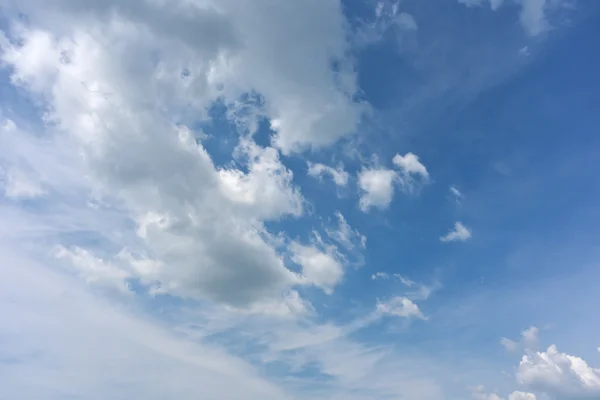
338 174
533 16
559 374
458 195
533 13
377 188
410 167
400 307
460 233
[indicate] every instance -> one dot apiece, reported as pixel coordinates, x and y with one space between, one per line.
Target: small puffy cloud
460 233
399 307
319 267
266 190
516 395
559 374
376 187
409 164
380 275
339 175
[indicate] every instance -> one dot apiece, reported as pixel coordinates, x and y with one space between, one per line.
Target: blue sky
299 200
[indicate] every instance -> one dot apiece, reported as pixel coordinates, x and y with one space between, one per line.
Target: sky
299 200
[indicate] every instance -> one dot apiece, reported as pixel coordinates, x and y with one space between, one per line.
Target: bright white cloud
377 188
320 267
460 233
409 164
559 374
338 174
399 307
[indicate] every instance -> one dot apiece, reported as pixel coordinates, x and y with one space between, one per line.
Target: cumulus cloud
399 307
409 164
377 184
460 233
559 374
338 174
320 267
377 188
200 228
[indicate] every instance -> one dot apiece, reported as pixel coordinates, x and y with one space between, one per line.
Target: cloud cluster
377 184
200 228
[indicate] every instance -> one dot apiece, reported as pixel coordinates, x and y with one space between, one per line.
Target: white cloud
320 267
400 307
533 16
94 270
460 233
478 393
530 336
516 395
406 21
74 344
349 238
458 195
377 188
266 190
229 48
190 214
409 164
380 275
338 174
559 374
21 185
